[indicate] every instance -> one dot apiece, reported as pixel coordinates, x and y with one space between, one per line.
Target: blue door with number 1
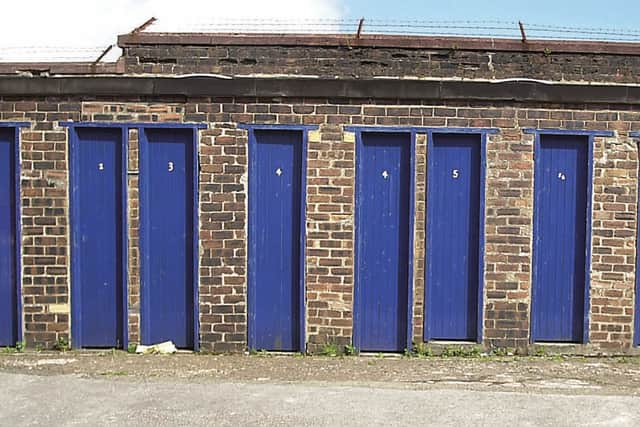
98 253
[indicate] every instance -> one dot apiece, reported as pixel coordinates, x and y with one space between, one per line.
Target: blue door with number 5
453 266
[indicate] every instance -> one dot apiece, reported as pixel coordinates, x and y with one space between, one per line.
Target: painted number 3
455 173
170 167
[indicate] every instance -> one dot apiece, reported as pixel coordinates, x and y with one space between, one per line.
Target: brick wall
330 210
362 62
329 234
223 235
614 242
44 216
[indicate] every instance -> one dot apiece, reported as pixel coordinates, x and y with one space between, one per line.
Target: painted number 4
455 173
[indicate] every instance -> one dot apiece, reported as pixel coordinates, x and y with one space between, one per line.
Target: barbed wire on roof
467 28
49 53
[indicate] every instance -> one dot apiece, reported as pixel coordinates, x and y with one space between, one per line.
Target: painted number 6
455 173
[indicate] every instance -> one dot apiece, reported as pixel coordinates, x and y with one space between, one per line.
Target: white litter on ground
166 347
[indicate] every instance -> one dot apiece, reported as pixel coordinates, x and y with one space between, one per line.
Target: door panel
453 236
382 239
560 238
275 223
8 273
167 186
98 236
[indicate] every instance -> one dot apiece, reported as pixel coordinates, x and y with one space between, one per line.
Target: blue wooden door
275 225
453 278
98 236
167 218
383 185
560 215
8 274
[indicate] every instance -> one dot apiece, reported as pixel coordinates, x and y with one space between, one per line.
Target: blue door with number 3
453 250
383 198
560 238
168 218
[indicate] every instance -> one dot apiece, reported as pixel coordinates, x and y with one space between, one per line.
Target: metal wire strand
49 53
482 28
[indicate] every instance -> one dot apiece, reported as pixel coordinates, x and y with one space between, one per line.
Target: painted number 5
455 173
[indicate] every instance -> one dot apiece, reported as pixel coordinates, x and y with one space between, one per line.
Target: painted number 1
455 173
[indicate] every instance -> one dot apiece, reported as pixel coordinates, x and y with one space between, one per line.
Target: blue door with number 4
276 212
383 198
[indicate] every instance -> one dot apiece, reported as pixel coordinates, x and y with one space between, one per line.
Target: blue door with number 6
562 178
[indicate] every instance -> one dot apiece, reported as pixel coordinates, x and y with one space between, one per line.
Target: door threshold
447 342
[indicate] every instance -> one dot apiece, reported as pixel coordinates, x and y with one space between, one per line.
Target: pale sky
94 24
89 23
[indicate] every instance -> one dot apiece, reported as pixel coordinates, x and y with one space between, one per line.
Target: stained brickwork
508 230
359 62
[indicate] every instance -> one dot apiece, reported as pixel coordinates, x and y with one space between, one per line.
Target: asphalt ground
115 388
